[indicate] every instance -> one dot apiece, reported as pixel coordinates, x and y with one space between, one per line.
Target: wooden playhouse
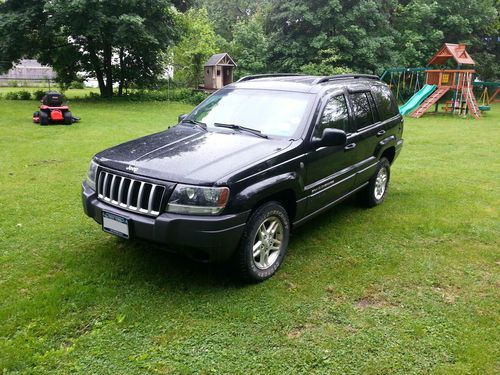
459 81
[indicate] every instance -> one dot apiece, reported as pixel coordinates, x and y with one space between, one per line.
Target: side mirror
181 117
332 137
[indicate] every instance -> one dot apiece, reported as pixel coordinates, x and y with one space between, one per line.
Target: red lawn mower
52 110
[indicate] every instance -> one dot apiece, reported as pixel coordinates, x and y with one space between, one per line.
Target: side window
335 115
361 108
375 113
386 104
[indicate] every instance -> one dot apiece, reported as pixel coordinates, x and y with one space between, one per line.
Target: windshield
271 112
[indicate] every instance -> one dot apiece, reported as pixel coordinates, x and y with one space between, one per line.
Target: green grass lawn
411 286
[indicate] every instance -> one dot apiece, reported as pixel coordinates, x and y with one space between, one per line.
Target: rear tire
264 243
44 118
376 191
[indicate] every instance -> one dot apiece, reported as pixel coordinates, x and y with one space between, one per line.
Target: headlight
198 200
91 174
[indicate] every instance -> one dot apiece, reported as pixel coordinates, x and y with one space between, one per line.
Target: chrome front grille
130 194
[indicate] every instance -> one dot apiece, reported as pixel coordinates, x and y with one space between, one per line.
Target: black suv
253 160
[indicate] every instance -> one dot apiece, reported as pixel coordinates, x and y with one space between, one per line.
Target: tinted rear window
386 104
361 109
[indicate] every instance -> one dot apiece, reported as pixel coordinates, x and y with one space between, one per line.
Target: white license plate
115 224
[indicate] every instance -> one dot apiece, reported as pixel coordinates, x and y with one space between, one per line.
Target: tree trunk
108 69
97 68
122 73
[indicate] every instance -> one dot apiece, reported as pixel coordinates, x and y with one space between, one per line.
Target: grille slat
105 184
139 199
120 191
151 197
112 189
130 194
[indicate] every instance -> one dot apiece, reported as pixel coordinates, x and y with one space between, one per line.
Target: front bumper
216 237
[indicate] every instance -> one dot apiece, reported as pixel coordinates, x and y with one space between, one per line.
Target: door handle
380 133
350 146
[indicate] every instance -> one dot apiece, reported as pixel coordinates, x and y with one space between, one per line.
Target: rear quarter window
386 104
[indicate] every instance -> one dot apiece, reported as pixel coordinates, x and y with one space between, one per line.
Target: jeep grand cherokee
254 160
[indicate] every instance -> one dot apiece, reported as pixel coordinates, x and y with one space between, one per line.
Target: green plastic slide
417 99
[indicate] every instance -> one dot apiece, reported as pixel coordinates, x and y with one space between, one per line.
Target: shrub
38 94
76 85
197 97
24 95
94 95
11 95
176 95
12 83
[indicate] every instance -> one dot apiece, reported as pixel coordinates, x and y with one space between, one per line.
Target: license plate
115 224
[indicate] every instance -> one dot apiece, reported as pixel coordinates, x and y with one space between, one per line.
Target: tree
424 25
360 33
197 44
19 29
250 47
326 64
226 13
118 41
418 38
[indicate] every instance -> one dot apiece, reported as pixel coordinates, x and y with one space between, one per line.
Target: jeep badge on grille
132 168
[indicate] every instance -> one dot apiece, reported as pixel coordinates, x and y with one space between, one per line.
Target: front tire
264 243
376 191
44 118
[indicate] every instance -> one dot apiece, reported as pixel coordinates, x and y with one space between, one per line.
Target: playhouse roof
220 59
455 51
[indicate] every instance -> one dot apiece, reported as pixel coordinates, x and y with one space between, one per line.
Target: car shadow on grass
143 261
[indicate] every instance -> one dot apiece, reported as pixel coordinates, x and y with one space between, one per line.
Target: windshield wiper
256 132
200 124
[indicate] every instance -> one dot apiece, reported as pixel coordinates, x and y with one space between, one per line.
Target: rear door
368 130
330 170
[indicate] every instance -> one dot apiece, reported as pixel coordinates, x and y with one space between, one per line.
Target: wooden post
455 93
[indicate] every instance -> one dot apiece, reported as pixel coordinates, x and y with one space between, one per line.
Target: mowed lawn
409 287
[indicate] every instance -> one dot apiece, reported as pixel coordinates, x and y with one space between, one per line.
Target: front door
330 170
226 75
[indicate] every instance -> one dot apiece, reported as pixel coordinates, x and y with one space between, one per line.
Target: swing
484 99
417 83
398 97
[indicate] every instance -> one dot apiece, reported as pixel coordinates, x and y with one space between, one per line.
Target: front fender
251 195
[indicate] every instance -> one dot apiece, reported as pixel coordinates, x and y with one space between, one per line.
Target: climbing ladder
467 95
432 99
470 99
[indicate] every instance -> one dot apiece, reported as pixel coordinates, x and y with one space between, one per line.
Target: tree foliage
199 41
225 14
359 31
128 42
250 46
369 35
115 41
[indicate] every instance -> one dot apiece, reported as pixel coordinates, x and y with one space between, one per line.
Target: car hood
188 155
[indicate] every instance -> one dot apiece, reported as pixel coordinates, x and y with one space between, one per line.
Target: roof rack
343 76
256 76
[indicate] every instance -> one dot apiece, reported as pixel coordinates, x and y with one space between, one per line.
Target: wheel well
390 153
286 198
